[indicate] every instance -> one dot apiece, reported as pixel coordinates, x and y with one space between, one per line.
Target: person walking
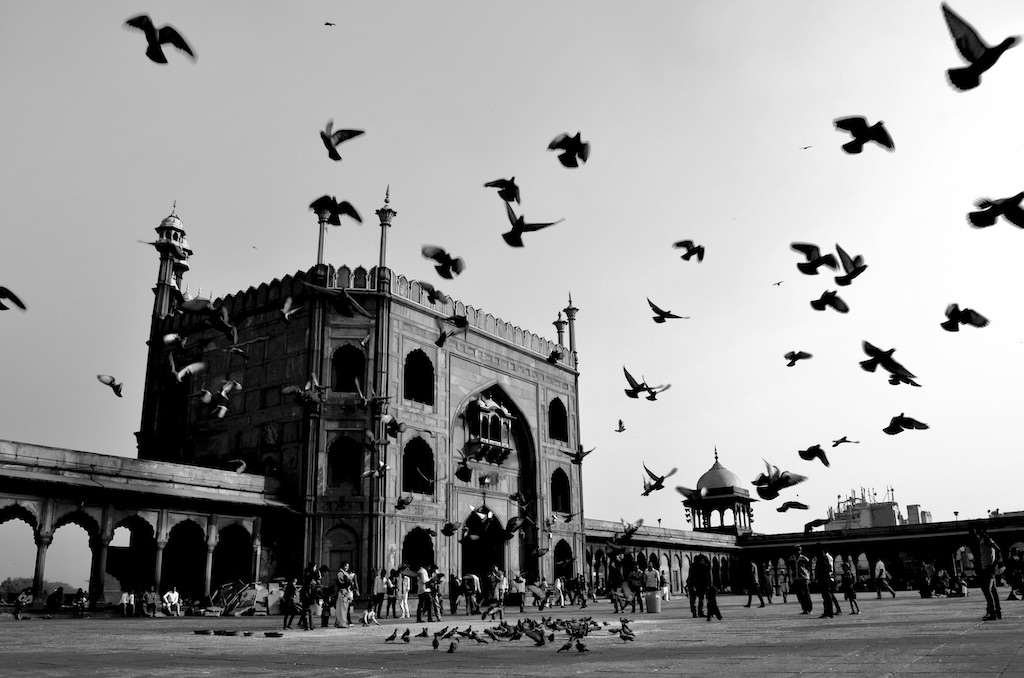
988 556
824 576
754 585
849 584
697 583
802 581
291 604
882 579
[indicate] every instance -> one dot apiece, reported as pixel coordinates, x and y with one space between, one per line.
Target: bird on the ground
814 452
453 646
786 505
830 298
657 482
662 315
901 423
957 316
446 266
691 250
514 238
581 648
288 309
877 357
339 299
425 633
434 295
332 138
852 267
574 150
156 38
435 643
620 428
844 439
815 259
566 647
507 189
329 207
973 49
392 637
626 637
794 356
817 522
403 502
863 133
405 636
990 210
114 385
239 465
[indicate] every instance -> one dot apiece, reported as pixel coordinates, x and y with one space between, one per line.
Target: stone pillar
159 565
43 542
209 569
257 552
98 575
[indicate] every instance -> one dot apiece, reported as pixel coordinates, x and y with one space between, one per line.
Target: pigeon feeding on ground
658 482
794 356
662 315
7 295
863 133
157 37
815 259
507 189
332 138
852 267
990 210
962 316
446 266
329 205
574 150
830 298
973 49
791 505
814 452
514 238
902 423
691 250
114 385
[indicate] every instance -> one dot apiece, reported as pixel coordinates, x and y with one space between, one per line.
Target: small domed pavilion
721 492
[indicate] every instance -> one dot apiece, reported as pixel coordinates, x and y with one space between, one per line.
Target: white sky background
696 113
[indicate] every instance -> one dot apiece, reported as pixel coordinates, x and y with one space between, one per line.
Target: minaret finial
716 454
387 194
174 207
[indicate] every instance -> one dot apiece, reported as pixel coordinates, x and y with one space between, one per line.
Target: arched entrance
133 564
483 545
418 548
184 563
564 560
232 558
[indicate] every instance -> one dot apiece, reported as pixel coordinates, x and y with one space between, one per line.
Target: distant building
865 511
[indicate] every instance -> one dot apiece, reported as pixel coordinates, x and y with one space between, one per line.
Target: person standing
652 579
783 579
754 585
23 600
404 584
380 590
882 579
471 589
988 556
823 575
802 581
454 592
347 589
291 604
424 603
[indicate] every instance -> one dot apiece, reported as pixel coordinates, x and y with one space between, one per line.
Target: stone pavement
906 637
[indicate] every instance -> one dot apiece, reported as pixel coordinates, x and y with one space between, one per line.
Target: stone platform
906 636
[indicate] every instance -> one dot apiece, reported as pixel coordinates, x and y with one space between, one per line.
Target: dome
718 478
171 221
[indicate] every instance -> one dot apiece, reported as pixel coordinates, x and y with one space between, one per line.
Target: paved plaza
906 636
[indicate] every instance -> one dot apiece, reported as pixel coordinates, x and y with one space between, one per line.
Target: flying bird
786 505
958 316
328 205
434 295
658 482
794 356
328 23
863 133
814 452
877 357
629 529
574 150
770 483
973 49
621 427
653 391
155 38
449 529
7 295
446 266
114 385
192 368
339 298
902 423
817 522
815 259
288 309
830 298
852 267
239 465
403 502
691 495
444 333
577 457
507 189
332 138
635 387
379 472
691 250
990 210
514 238
844 439
662 315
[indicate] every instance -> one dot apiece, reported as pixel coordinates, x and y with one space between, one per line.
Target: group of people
630 588
146 604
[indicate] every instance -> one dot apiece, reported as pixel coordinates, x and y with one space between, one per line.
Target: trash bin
652 600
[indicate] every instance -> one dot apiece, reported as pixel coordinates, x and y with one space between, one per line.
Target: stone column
209 569
43 542
98 575
159 565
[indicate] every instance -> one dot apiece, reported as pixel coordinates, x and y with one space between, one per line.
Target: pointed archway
564 560
483 543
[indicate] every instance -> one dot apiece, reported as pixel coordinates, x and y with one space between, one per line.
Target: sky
697 114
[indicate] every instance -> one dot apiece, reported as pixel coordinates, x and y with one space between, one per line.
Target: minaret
385 214
560 328
570 313
174 254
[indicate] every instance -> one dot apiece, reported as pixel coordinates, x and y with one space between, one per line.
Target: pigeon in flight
794 356
817 522
288 309
444 333
446 266
962 316
786 505
852 267
574 150
863 133
691 250
814 452
653 391
450 529
514 238
577 457
403 502
339 298
629 529
844 439
973 49
662 315
990 210
902 423
830 298
815 259
434 295
877 356
158 37
329 204
621 427
192 368
635 388
332 138
691 495
507 189
114 385
7 295
769 484
658 482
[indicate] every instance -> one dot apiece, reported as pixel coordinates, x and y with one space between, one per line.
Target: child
330 599
391 589
849 584
370 616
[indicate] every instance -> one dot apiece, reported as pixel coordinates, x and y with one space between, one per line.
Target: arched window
418 467
558 421
560 492
348 364
345 464
419 377
495 433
